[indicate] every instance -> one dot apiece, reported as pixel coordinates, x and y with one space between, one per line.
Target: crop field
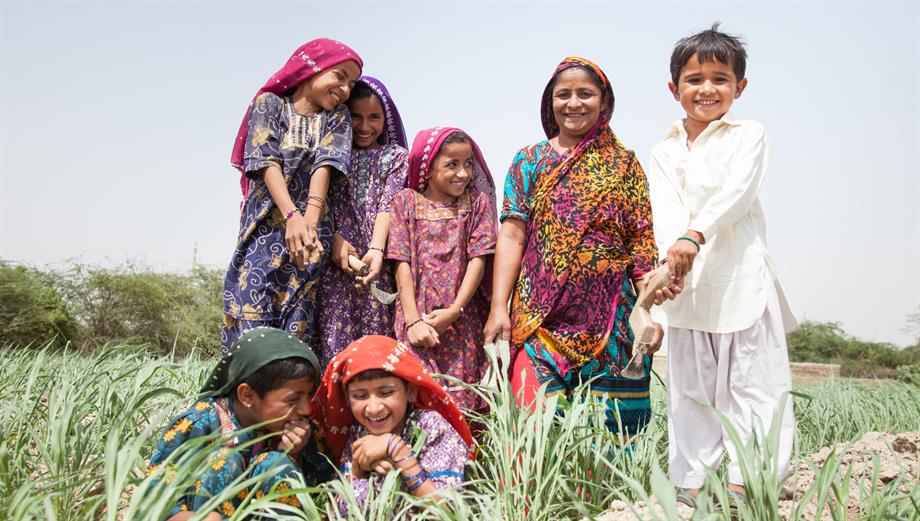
76 431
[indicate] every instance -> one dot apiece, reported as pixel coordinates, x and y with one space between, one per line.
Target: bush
828 343
31 310
909 374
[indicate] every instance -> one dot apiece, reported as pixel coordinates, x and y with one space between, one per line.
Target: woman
576 235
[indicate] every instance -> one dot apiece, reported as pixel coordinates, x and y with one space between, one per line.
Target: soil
898 456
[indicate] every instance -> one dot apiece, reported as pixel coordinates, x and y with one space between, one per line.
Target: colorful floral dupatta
590 227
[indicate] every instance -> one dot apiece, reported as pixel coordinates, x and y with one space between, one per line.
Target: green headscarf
254 350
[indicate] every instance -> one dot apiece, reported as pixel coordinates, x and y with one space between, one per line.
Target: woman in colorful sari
360 206
294 140
576 236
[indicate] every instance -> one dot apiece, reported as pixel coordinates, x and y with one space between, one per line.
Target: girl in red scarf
382 411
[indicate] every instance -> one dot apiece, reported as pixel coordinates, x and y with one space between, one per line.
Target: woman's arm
509 250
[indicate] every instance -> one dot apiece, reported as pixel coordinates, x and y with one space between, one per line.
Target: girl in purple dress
360 205
295 138
442 234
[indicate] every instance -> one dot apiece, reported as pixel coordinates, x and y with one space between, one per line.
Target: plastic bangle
416 321
685 238
415 482
390 441
404 458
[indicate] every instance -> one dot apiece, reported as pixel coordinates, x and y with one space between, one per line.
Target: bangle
314 205
321 200
413 483
410 324
289 214
685 238
404 458
389 442
369 248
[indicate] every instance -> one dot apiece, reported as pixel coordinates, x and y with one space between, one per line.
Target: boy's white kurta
712 188
726 334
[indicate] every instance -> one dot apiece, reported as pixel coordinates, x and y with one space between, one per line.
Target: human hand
421 334
383 466
655 345
680 258
295 436
296 238
668 292
341 249
312 237
374 261
369 449
498 325
441 319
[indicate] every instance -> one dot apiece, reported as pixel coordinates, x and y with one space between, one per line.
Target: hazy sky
116 120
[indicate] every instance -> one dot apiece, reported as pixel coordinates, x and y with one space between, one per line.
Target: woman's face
577 104
366 121
331 87
380 405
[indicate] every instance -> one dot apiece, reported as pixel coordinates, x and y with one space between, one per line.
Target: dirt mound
897 455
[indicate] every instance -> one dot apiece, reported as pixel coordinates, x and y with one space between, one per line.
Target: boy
726 336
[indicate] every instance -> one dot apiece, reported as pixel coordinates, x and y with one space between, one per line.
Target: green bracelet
685 238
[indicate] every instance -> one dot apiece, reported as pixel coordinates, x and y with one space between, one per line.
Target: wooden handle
357 266
658 281
640 320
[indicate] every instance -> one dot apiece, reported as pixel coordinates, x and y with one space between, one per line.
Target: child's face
576 102
366 121
380 405
331 87
706 90
291 401
451 172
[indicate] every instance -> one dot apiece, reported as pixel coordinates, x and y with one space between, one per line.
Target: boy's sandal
684 496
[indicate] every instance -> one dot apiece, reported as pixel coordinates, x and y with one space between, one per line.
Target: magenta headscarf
309 59
425 148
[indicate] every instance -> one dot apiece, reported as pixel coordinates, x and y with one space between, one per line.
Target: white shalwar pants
743 375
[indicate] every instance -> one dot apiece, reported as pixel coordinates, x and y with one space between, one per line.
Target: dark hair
595 79
709 45
456 137
274 374
361 90
374 374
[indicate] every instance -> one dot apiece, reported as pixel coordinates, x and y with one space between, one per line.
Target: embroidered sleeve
639 235
483 228
399 244
334 148
445 455
263 142
396 177
517 188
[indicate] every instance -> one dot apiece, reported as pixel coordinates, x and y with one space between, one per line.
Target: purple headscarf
394 131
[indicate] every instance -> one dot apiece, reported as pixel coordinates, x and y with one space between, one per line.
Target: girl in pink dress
442 235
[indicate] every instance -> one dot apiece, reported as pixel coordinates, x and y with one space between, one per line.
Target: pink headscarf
425 148
308 60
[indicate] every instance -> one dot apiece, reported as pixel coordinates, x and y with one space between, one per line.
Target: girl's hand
341 249
368 450
498 326
374 261
421 334
441 319
295 436
296 238
383 466
313 238
656 340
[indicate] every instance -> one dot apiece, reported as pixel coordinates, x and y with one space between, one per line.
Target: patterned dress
210 416
438 240
263 287
346 313
590 307
443 456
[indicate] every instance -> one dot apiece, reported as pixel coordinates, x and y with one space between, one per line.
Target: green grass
75 432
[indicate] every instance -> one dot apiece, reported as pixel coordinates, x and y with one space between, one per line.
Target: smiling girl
360 205
442 233
383 412
296 135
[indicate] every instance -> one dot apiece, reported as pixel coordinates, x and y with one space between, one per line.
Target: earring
249 406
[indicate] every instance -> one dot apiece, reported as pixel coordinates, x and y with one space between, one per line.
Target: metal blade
382 296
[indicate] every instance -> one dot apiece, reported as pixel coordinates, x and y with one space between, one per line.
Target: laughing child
269 375
377 402
442 234
727 331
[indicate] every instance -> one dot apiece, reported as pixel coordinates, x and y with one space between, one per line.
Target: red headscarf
330 404
308 60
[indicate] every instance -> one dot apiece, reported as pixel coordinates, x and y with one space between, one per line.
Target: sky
117 119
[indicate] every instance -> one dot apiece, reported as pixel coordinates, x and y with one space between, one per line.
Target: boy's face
291 401
706 90
380 405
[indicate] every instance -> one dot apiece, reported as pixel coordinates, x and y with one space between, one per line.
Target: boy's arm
736 196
